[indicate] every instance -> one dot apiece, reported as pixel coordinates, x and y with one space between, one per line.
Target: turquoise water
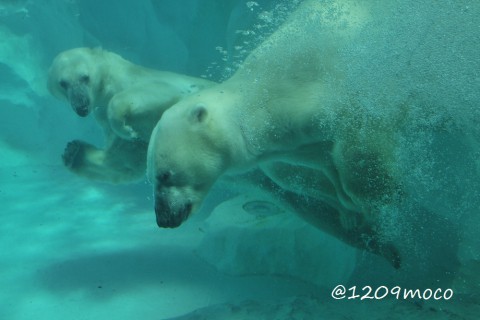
72 248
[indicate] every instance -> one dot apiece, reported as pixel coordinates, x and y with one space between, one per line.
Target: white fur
127 101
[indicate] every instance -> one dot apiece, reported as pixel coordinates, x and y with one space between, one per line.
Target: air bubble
251 5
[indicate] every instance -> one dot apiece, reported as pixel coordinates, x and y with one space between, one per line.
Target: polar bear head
75 77
191 146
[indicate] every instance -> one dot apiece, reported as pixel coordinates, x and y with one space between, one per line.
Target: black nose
168 218
82 111
168 221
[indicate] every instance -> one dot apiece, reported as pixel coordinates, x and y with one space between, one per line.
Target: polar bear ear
199 113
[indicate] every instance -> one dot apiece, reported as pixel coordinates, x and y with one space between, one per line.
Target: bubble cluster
265 22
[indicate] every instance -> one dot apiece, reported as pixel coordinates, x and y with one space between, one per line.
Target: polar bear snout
79 100
169 216
82 111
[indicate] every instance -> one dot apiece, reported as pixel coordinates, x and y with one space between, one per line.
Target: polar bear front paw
74 154
128 133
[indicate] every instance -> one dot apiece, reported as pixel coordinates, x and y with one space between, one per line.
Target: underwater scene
233 159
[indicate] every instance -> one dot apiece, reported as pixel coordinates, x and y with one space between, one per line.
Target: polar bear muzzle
79 100
169 216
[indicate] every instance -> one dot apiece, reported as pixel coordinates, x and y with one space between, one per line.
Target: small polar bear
127 101
285 111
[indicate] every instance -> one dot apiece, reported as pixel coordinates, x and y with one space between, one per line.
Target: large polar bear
127 101
285 110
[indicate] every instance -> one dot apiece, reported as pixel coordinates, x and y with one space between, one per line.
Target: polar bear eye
164 177
84 79
63 84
